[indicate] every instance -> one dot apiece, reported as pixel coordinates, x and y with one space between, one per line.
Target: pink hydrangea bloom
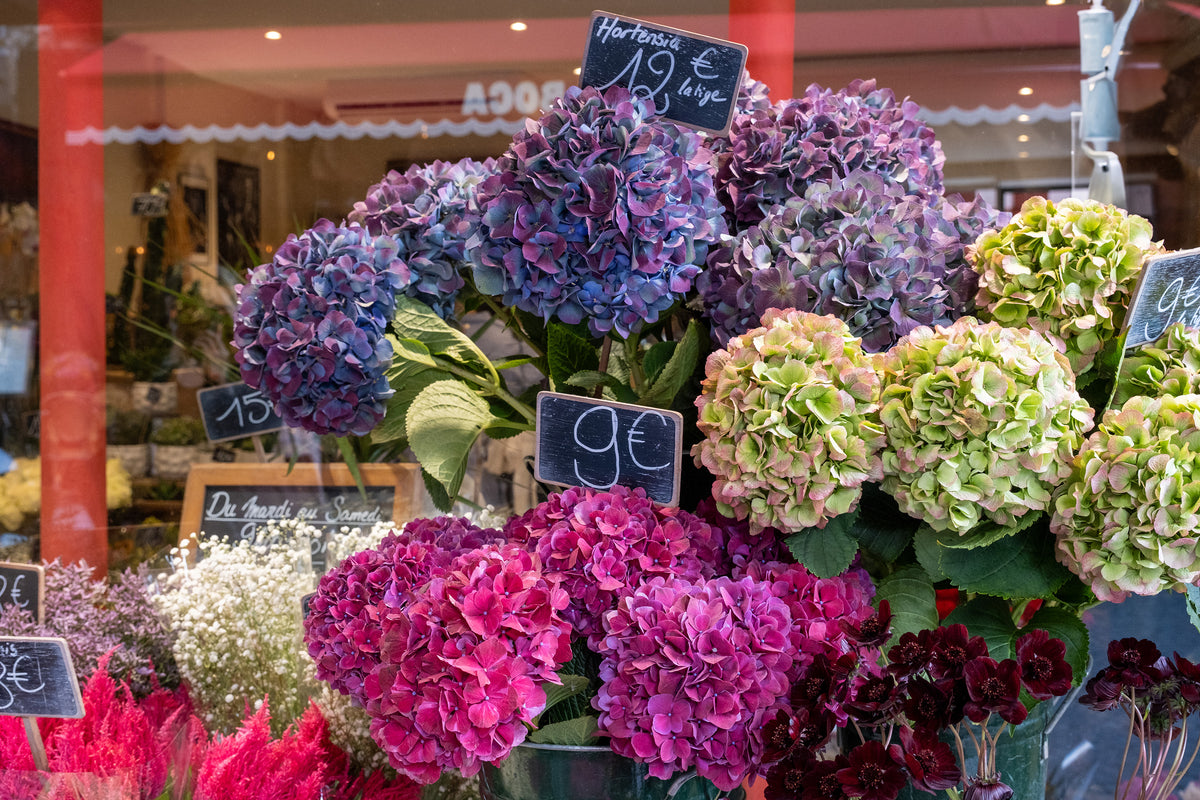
462 666
603 544
691 672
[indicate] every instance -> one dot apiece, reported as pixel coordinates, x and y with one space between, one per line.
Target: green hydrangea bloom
982 422
1127 517
1170 366
789 415
1066 270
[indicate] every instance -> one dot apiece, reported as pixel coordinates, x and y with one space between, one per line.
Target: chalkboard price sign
234 410
22 585
692 79
149 204
37 678
599 444
1167 292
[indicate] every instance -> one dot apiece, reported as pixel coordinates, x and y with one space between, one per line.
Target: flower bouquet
884 381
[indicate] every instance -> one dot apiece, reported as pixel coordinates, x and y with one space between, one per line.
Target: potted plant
128 440
176 447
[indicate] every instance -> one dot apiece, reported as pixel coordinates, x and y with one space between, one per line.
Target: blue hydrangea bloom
597 213
310 325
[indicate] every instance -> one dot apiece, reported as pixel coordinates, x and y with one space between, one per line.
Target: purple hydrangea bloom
602 545
691 672
430 210
861 248
343 626
598 213
309 330
777 153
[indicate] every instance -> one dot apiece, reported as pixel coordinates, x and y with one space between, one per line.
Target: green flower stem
506 315
489 387
636 376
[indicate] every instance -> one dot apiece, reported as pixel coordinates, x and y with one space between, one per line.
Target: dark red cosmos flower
927 705
823 684
785 778
931 763
994 688
1189 680
953 649
1136 660
1103 690
1044 669
821 782
911 653
872 773
807 729
874 698
987 789
872 631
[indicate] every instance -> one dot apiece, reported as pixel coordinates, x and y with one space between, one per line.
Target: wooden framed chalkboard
1168 291
599 444
693 79
23 585
233 501
234 411
37 678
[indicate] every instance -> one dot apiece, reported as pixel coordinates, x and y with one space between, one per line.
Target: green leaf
991 618
1063 624
571 685
910 594
828 551
929 552
578 731
415 320
987 532
591 378
1016 567
392 426
656 358
534 328
661 391
443 423
568 353
441 501
512 362
1193 605
882 528
411 350
351 459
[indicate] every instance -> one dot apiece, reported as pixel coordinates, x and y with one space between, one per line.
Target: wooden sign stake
259 450
35 743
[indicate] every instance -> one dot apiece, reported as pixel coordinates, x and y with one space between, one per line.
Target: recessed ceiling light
273 35
1025 91
577 70
518 26
270 155
1023 118
1023 154
1055 2
1024 137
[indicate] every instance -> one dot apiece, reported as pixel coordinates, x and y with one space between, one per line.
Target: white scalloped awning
474 127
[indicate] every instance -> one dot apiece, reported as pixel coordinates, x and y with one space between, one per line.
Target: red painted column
71 283
768 28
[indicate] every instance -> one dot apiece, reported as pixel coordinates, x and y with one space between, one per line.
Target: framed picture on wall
239 224
195 192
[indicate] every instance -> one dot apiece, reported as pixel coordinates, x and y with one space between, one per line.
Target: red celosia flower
872 773
994 688
930 762
1044 671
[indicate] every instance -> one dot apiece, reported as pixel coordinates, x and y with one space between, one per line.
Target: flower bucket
564 772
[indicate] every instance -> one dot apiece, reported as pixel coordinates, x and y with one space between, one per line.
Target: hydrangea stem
491 388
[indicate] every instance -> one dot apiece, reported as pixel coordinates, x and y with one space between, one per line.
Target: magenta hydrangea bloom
463 665
598 213
343 627
777 153
691 672
604 544
431 211
309 329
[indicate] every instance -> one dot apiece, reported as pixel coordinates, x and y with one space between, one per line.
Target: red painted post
768 28
71 283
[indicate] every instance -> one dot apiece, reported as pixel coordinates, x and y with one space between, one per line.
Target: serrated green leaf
556 693
590 379
578 731
661 391
533 326
656 358
415 320
991 618
825 552
1193 605
882 529
512 362
437 493
1063 624
568 353
392 427
910 594
1016 567
929 552
443 422
411 350
986 533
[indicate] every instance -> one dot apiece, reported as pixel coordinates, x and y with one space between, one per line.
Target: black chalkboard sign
598 444
37 678
23 585
692 79
149 204
234 410
1167 292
